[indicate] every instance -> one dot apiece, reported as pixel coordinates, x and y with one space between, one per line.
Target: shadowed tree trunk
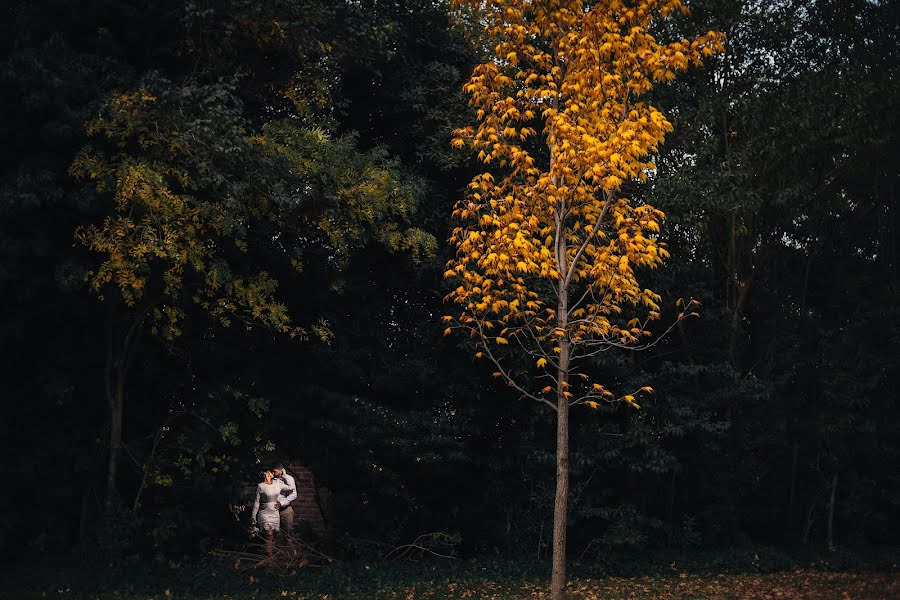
120 349
795 455
829 540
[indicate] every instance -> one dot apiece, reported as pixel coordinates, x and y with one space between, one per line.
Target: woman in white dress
266 507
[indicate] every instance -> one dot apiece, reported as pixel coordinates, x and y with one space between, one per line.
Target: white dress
264 511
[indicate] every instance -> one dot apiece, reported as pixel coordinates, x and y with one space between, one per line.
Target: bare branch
503 372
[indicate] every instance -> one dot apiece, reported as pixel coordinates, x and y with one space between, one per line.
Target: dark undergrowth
659 572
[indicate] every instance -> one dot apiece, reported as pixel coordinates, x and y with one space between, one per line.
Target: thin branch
571 270
503 373
405 550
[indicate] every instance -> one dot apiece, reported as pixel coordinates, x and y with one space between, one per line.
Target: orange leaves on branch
562 122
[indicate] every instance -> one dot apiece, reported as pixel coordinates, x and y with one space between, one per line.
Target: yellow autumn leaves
548 247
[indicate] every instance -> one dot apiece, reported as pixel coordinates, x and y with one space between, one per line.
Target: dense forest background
775 418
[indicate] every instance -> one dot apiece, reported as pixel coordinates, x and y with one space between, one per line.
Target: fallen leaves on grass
796 584
773 586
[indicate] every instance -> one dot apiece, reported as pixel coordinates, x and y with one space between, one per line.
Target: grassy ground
792 584
751 572
796 584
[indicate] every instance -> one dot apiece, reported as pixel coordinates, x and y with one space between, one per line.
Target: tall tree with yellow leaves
548 250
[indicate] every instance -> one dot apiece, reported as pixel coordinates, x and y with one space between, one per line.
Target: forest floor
795 584
754 573
769 586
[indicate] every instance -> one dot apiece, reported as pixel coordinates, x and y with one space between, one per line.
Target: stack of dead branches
289 555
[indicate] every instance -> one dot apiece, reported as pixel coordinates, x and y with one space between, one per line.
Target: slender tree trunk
810 519
116 411
742 289
116 403
119 353
830 535
148 464
795 457
813 251
672 497
561 503
540 538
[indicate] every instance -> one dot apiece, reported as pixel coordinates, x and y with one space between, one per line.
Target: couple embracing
272 511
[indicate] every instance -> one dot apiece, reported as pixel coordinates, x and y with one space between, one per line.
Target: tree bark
742 288
672 497
794 458
145 469
561 503
119 352
810 519
830 535
116 401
